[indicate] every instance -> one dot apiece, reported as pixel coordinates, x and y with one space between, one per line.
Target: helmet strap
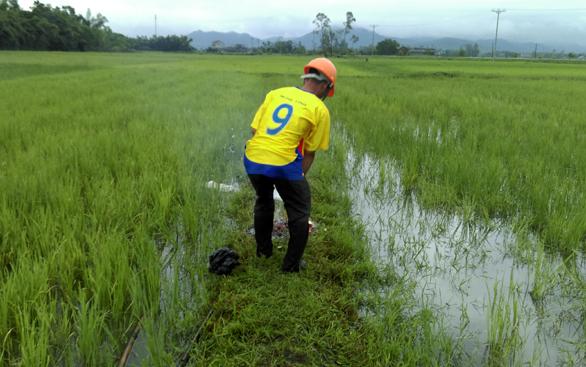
326 92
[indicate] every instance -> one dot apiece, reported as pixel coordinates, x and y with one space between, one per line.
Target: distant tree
169 43
45 27
348 26
471 50
324 29
98 22
387 47
299 49
237 48
217 45
348 23
266 47
283 47
354 39
11 26
515 55
340 45
240 48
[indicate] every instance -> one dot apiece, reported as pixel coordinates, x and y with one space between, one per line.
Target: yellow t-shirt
288 116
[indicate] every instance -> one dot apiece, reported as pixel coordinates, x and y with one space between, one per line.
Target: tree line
45 27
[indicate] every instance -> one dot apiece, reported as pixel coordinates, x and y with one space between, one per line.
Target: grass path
327 315
264 317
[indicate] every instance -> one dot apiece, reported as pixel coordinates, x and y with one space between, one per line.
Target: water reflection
456 265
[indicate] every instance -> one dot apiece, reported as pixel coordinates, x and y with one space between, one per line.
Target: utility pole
372 46
155 25
498 15
535 52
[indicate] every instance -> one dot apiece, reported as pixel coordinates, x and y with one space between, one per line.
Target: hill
202 40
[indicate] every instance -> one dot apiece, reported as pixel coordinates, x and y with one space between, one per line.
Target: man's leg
297 198
264 209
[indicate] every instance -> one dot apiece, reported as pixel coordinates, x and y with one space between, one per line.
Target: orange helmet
326 68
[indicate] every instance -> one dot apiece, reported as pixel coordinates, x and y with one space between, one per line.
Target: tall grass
502 137
103 161
100 155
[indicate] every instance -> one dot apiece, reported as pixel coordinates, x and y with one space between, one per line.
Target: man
288 128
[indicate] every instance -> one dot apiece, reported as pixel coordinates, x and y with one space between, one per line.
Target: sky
525 20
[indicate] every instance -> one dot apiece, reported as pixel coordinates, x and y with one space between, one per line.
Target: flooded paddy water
494 291
182 291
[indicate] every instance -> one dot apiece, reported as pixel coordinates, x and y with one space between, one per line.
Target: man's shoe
302 266
262 254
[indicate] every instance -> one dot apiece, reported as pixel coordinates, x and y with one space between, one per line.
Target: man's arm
308 158
253 131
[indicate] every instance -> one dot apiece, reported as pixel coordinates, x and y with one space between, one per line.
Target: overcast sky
525 20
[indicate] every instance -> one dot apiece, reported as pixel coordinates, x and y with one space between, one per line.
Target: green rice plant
90 324
103 165
482 136
504 340
33 327
92 171
545 276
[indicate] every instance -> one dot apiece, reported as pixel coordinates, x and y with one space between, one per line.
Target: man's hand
308 158
253 131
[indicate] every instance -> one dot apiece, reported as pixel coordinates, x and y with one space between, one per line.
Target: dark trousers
297 198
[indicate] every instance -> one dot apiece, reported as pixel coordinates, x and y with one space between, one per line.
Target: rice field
450 211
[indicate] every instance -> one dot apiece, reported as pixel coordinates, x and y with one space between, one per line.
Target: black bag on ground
223 261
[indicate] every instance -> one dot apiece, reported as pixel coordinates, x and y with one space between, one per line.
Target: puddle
180 291
178 284
456 267
139 354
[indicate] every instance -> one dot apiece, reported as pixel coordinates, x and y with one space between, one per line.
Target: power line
549 10
496 34
373 29
399 25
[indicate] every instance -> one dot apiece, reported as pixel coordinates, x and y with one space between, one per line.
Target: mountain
485 45
203 40
311 40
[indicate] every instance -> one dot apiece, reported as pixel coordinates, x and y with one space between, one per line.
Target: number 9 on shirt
281 121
